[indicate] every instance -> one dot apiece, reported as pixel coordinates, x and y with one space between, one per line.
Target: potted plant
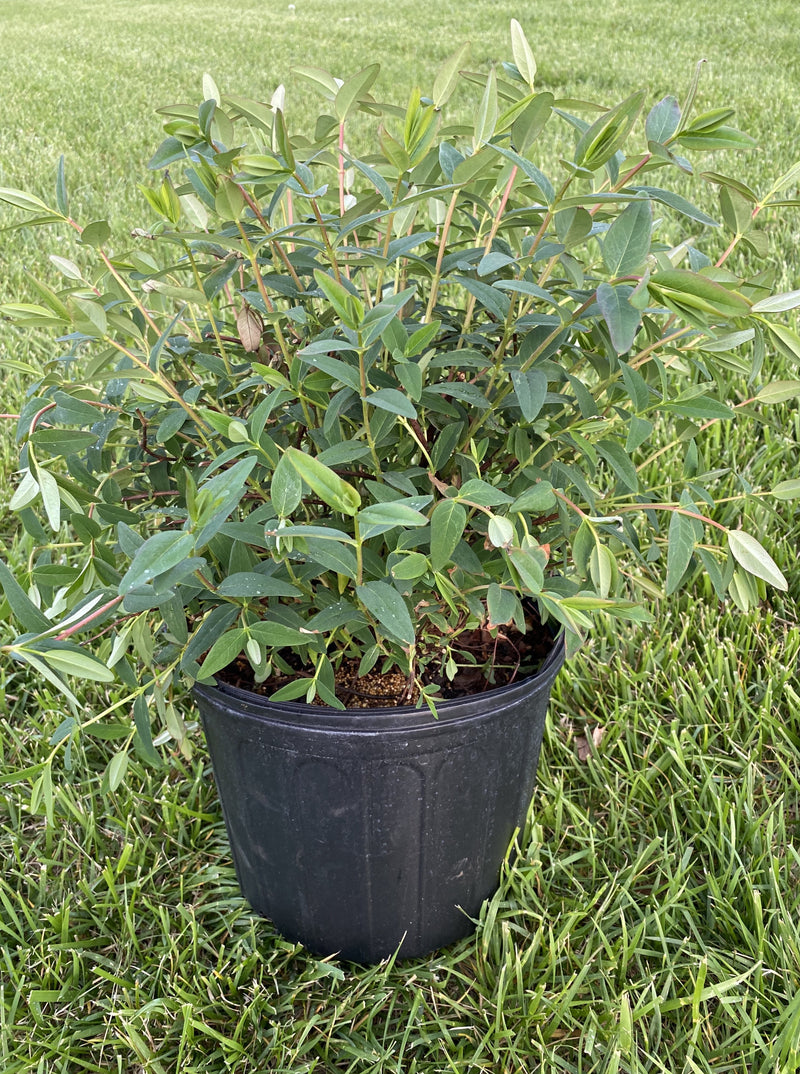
353 437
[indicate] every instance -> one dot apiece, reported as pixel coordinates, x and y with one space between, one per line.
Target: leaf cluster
340 402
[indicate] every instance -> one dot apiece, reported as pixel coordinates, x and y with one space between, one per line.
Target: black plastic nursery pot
368 831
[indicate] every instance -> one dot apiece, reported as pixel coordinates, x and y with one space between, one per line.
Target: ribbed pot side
371 830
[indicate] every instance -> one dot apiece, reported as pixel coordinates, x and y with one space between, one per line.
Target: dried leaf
585 750
249 327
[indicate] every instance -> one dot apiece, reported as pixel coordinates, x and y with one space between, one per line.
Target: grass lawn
651 922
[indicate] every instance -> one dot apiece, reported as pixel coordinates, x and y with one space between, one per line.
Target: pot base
373 831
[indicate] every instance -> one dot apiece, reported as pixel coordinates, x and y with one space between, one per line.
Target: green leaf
325 533
62 201
755 559
680 548
603 569
141 718
334 367
224 650
392 400
534 500
495 301
321 79
225 490
501 604
276 635
333 556
675 201
31 315
411 565
91 314
156 556
785 339
501 531
445 444
20 200
522 53
22 607
622 318
721 138
286 488
530 564
116 770
486 116
779 391
699 408
379 317
80 665
447 526
348 307
62 441
606 135
481 492
737 211
530 389
662 120
51 498
699 292
787 490
790 300
252 584
386 606
447 77
74 411
350 92
327 484
26 493
98 232
627 241
421 339
620 462
390 514
528 124
539 179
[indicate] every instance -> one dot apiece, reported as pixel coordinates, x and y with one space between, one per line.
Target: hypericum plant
342 401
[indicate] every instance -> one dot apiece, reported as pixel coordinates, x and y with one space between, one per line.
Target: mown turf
651 921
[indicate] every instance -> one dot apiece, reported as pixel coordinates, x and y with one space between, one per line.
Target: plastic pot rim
387 719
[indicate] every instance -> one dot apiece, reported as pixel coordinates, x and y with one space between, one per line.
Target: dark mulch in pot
498 661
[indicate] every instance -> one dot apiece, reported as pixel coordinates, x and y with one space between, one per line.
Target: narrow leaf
779 391
447 77
392 400
447 525
680 548
350 92
327 484
522 53
777 303
755 559
224 650
386 605
486 116
787 490
254 585
22 607
157 555
80 665
621 317
627 242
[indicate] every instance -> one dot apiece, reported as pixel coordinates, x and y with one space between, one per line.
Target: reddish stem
89 619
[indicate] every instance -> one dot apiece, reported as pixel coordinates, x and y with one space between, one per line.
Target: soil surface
498 661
